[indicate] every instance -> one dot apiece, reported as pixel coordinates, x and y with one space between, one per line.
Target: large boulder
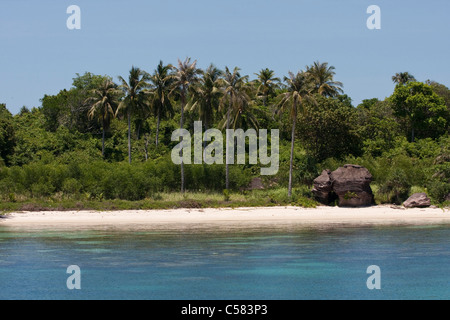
418 200
323 188
350 183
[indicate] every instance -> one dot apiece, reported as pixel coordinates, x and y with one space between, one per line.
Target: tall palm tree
206 97
244 116
267 84
135 97
103 104
299 92
403 78
235 97
322 77
186 75
162 81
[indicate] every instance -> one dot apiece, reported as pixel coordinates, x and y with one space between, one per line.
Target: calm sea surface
209 264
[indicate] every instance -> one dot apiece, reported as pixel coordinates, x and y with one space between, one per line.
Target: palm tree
103 102
299 92
162 82
267 84
135 97
403 78
234 96
206 97
186 75
244 117
322 77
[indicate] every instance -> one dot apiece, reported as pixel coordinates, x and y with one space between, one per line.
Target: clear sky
40 55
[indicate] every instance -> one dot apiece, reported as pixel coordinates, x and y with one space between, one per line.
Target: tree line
318 122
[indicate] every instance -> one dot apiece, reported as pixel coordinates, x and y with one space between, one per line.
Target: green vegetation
102 145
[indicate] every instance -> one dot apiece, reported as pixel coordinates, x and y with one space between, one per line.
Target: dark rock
256 184
351 183
323 188
418 200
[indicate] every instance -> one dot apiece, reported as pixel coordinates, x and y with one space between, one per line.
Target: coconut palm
266 83
235 98
162 81
186 75
206 95
244 117
403 78
299 92
322 78
135 97
103 103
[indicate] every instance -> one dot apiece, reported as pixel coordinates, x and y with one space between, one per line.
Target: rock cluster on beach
349 184
418 200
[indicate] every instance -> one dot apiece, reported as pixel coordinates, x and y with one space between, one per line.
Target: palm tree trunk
139 130
147 140
227 169
291 165
129 137
157 126
103 136
181 127
205 123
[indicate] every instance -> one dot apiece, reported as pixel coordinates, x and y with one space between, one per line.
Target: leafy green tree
104 102
329 129
7 135
403 78
55 110
424 111
69 108
443 92
321 76
378 128
294 100
186 75
162 82
135 98
234 98
267 84
77 105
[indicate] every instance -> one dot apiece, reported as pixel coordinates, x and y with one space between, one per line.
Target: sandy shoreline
240 217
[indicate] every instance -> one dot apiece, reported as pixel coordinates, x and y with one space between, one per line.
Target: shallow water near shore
259 263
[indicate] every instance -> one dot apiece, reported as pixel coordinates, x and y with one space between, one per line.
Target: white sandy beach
229 218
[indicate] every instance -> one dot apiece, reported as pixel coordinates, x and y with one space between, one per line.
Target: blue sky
39 55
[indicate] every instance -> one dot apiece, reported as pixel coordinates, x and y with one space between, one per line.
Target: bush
439 183
226 195
396 187
42 189
438 190
71 187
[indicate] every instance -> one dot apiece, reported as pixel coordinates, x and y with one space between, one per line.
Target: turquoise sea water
260 264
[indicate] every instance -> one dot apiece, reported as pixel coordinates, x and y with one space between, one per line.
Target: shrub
71 186
438 190
226 195
42 189
396 187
